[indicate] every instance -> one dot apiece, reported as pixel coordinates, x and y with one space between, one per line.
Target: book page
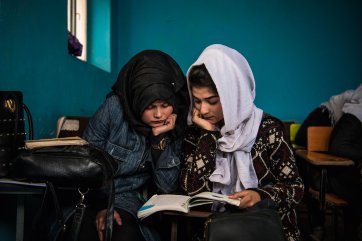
181 203
65 141
170 202
209 197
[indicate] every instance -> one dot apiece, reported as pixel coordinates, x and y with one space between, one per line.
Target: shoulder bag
260 222
79 167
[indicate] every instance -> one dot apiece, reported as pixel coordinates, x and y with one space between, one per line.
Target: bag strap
50 192
111 193
79 214
78 217
30 122
49 197
110 210
16 121
58 210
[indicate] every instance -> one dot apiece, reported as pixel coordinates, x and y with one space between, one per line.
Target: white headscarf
354 106
235 84
350 101
335 104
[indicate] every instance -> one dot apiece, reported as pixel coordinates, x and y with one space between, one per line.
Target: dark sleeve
278 175
158 144
346 138
99 126
276 167
199 152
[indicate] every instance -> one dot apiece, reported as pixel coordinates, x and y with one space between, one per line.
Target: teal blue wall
34 59
301 52
99 33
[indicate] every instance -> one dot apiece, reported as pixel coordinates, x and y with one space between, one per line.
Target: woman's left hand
201 122
248 198
167 126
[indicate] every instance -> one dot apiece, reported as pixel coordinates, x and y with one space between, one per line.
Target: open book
65 141
181 203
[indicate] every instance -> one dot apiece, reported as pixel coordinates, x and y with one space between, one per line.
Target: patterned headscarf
149 76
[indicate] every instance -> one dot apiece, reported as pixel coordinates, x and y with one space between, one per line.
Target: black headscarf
149 76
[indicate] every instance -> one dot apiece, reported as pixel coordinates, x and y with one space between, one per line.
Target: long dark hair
200 77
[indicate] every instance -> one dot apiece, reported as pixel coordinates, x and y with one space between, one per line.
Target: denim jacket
109 130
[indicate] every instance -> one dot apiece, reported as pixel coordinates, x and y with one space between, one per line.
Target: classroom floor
305 228
303 223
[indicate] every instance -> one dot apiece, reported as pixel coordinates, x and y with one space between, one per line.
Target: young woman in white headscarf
233 147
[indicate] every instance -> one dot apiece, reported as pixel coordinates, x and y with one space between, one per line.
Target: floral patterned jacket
273 160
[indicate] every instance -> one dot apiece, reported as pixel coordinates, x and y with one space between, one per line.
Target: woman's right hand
199 121
248 198
169 125
101 222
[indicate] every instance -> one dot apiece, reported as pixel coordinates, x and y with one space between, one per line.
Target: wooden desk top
323 159
192 213
8 186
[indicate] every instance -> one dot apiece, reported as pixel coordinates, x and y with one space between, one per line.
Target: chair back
69 126
318 138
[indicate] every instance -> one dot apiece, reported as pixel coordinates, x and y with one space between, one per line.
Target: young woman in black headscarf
140 124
